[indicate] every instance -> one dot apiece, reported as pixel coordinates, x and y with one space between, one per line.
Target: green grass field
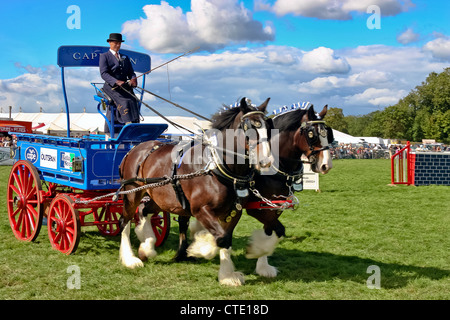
333 237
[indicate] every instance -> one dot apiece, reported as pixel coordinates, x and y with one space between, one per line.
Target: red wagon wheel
109 216
63 224
24 201
161 226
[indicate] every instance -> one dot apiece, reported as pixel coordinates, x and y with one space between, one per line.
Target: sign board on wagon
88 56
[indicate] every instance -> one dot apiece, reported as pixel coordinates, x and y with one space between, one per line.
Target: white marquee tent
94 122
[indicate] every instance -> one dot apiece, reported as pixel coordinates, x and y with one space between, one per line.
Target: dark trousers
126 106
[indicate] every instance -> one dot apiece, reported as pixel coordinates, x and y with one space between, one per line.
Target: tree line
423 114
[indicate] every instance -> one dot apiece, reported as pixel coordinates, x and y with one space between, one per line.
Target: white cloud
333 9
408 36
376 97
439 48
325 84
324 60
211 24
378 77
42 88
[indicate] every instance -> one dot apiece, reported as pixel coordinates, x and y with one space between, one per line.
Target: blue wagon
67 179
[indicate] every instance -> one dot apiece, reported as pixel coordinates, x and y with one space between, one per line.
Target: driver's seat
107 104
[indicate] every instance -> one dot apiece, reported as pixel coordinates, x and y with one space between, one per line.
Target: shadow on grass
295 265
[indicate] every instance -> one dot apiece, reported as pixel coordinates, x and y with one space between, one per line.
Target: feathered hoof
204 246
267 271
132 263
145 254
183 257
235 279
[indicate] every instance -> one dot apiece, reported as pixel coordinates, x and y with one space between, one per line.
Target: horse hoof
234 279
142 256
267 271
133 262
184 258
145 253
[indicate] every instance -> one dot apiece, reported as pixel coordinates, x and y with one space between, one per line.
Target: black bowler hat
115 37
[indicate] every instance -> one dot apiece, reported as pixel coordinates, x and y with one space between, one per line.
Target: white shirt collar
114 52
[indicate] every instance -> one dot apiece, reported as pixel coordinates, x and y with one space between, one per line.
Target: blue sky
290 50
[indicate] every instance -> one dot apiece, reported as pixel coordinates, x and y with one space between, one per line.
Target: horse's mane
290 120
223 119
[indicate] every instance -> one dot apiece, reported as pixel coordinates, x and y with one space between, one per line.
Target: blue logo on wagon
31 154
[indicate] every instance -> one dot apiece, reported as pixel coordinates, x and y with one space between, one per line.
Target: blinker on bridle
256 124
312 136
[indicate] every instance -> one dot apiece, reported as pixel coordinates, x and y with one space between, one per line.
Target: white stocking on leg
145 234
126 253
227 275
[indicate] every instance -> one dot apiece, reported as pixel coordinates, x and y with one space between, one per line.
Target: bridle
221 170
247 124
313 130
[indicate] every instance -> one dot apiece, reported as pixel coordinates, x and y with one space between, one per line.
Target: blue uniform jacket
112 70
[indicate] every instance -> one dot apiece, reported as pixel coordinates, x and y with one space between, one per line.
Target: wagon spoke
32 210
32 216
18 222
30 196
69 235
70 224
57 238
57 212
156 221
23 175
15 189
15 212
18 190
29 186
65 213
25 225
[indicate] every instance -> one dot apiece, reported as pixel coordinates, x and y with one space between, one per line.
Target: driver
116 70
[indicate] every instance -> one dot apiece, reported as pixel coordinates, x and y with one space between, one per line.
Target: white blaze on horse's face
324 161
258 141
265 155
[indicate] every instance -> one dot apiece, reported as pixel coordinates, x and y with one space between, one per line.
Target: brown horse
301 132
208 182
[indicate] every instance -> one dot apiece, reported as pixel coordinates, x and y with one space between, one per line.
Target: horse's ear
311 113
323 113
243 105
263 106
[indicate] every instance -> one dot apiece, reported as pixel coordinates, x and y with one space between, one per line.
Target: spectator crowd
376 151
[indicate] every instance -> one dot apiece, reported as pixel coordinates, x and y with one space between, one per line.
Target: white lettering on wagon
49 158
84 56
